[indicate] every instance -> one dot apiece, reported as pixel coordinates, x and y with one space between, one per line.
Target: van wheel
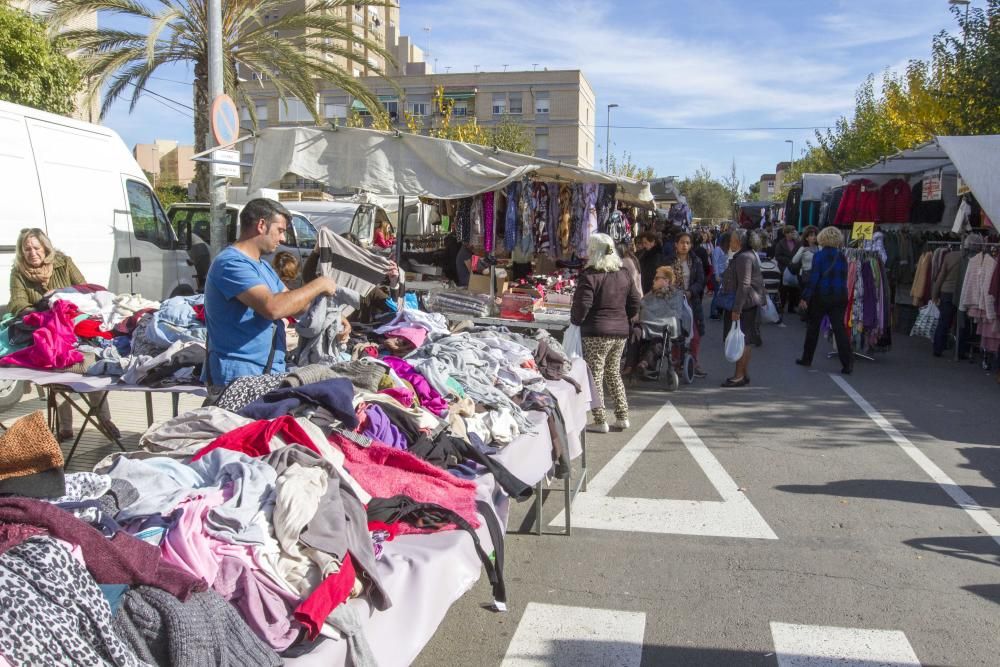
182 290
11 392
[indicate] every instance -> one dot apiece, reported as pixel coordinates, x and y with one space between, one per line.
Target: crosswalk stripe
977 512
576 636
825 646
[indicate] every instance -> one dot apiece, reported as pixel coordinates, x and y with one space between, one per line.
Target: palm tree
292 50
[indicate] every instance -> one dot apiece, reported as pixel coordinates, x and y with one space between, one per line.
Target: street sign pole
216 89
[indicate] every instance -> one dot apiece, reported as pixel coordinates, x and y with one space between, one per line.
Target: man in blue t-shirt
245 299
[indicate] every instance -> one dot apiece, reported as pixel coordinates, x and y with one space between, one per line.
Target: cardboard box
480 284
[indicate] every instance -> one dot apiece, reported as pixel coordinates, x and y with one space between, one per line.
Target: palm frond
120 62
65 11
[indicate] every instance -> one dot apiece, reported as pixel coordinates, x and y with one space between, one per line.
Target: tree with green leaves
624 166
33 69
288 43
707 197
510 135
957 91
507 135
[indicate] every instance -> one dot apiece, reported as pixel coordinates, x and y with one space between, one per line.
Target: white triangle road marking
734 516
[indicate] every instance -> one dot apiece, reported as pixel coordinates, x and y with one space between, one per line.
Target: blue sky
668 63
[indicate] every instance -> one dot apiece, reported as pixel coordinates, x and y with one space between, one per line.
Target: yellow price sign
863 231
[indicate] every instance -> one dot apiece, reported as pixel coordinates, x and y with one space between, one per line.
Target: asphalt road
784 511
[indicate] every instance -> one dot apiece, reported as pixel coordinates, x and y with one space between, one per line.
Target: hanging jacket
894 199
859 203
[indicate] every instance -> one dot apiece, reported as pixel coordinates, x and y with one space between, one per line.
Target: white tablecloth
89 383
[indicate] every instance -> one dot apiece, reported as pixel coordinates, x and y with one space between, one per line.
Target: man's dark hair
648 236
255 209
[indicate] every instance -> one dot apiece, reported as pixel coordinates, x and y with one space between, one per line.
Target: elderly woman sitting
663 311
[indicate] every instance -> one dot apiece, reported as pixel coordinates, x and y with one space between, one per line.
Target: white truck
80 184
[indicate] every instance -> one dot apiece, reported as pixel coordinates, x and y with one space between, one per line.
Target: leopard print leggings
604 356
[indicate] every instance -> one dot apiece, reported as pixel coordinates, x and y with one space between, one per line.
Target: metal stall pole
216 88
494 311
400 235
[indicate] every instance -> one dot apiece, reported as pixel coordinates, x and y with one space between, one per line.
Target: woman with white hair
825 295
604 304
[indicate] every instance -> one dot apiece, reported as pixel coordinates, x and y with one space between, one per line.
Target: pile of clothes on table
89 330
254 527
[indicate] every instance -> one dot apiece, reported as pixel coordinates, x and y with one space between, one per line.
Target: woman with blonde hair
604 304
825 295
39 269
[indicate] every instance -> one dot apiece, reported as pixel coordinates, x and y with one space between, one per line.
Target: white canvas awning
978 162
976 158
390 164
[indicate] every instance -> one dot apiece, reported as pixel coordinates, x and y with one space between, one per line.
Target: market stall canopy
815 185
665 190
975 158
394 164
978 162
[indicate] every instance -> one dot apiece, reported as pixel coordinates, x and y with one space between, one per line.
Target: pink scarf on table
54 340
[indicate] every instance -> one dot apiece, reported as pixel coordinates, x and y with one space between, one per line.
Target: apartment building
557 107
373 24
780 170
768 187
167 162
88 111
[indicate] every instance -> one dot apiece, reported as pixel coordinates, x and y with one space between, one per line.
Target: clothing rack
858 253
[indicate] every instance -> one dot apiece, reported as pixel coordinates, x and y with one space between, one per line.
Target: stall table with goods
327 515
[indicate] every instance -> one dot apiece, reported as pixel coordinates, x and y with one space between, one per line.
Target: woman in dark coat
604 304
784 252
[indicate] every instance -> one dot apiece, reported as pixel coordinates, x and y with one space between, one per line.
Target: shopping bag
723 300
926 322
735 343
770 312
572 342
789 279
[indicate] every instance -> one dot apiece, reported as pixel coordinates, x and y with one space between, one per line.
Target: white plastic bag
735 343
789 279
572 342
927 321
770 312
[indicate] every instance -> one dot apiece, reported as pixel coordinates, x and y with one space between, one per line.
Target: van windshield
200 221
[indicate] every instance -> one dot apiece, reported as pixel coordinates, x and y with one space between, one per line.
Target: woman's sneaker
622 425
598 428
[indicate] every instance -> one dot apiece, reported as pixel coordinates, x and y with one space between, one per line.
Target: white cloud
664 76
868 23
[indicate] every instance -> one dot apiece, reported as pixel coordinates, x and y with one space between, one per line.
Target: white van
79 183
192 221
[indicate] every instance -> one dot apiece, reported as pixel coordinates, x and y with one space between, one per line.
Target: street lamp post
791 152
607 141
